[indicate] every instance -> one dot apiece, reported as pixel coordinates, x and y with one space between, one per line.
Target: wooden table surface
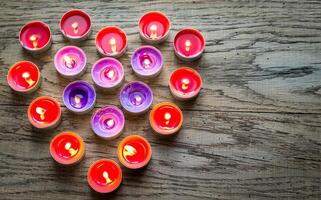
253 133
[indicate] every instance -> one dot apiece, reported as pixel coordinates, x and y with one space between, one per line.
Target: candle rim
192 94
199 35
101 132
65 15
134 165
107 59
87 106
106 188
99 48
152 120
71 73
157 12
80 154
147 72
47 125
28 24
10 81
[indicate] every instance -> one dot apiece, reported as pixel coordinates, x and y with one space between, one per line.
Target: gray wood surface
253 133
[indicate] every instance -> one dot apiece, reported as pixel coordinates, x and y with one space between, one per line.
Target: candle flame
167 117
111 74
70 150
34 39
75 27
110 122
112 43
185 83
129 150
153 32
147 63
138 99
27 78
77 100
188 45
106 176
69 62
41 111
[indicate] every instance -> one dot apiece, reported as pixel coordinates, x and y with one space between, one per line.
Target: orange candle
67 148
134 152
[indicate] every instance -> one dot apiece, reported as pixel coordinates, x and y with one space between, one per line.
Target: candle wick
153 32
75 27
167 118
185 83
106 176
27 78
188 45
41 112
34 39
70 150
112 43
129 150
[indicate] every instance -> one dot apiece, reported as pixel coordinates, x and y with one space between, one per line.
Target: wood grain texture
253 133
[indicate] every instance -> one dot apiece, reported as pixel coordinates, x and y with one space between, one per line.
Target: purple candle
108 122
147 62
136 97
70 62
79 97
107 73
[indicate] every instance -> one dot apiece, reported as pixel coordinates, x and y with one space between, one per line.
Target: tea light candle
107 73
35 37
134 152
108 122
136 97
75 25
154 27
70 62
44 113
104 176
185 83
189 44
166 118
147 62
79 97
67 148
111 41
24 77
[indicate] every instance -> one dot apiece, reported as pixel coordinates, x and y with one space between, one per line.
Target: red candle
154 27
134 152
24 77
104 176
189 44
67 148
166 118
44 112
35 37
185 83
75 25
111 41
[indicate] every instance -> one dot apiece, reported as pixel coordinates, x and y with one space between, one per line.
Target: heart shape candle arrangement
79 97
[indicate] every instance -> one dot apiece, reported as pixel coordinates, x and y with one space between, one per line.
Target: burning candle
154 27
67 148
35 37
147 62
44 112
189 44
70 62
24 77
166 118
134 152
104 176
136 97
79 97
185 83
107 73
111 41
108 122
75 25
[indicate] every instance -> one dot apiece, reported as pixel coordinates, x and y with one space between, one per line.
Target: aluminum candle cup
104 176
166 119
70 62
134 152
154 27
44 113
111 41
107 73
75 25
35 37
189 44
67 148
185 83
24 77
136 97
108 122
79 97
147 62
